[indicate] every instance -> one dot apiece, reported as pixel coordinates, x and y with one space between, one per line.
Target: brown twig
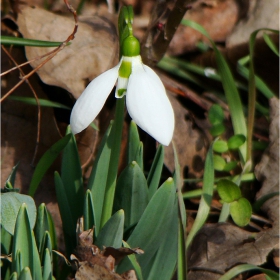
50 54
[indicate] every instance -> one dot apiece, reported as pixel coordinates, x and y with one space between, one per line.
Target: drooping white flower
146 99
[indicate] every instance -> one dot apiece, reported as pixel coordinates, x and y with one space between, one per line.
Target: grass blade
206 198
45 162
71 176
155 171
247 267
8 40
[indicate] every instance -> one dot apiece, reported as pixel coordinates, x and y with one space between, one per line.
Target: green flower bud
130 46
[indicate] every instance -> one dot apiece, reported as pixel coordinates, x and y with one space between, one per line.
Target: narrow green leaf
42 225
115 143
241 211
206 198
17 262
155 222
88 211
134 262
68 221
133 142
43 102
10 204
228 191
46 244
25 274
12 176
14 276
111 234
98 178
102 182
47 265
6 242
182 219
247 267
8 40
139 156
270 42
163 266
71 176
45 162
155 171
131 194
24 242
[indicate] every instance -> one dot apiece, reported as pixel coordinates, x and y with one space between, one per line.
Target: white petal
93 98
148 104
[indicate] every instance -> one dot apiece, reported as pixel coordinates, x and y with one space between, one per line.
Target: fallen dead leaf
260 15
218 17
93 51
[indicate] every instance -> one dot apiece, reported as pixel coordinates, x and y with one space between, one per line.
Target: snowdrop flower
146 99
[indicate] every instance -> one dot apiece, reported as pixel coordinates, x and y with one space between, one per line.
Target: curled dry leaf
93 51
92 263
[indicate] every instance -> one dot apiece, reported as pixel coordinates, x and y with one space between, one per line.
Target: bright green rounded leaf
216 114
228 191
219 163
10 205
220 146
230 166
241 211
236 141
217 129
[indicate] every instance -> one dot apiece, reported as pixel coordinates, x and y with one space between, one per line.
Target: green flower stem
115 142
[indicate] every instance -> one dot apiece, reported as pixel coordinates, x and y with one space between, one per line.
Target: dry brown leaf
261 14
189 142
94 49
218 17
95 272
